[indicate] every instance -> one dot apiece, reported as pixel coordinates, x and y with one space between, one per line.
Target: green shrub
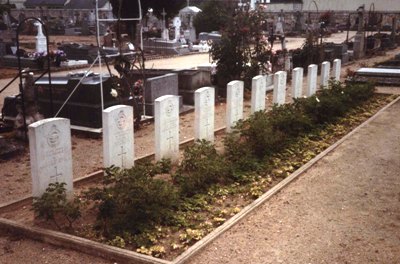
201 167
133 200
359 92
54 204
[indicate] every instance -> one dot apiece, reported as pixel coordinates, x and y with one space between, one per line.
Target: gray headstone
204 113
279 87
312 79
118 140
234 103
166 123
159 86
50 154
297 82
258 90
325 71
336 69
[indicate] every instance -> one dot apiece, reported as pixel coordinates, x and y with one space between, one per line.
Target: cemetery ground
87 158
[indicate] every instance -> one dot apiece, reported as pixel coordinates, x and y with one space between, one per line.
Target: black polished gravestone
84 107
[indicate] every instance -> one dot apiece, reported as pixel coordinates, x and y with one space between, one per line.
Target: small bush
53 205
201 167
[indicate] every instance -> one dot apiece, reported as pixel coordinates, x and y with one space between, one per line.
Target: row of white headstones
50 139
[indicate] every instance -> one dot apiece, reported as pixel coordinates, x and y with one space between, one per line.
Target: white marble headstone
166 122
312 79
279 87
337 67
325 72
297 82
258 90
41 41
118 139
234 103
204 99
50 154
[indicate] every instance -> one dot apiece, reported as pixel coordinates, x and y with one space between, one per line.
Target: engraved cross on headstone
122 156
56 175
170 138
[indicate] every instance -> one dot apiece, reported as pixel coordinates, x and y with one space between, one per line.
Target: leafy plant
54 204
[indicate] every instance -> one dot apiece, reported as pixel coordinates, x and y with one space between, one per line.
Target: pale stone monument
325 72
204 99
166 123
234 103
41 42
177 24
297 82
50 154
279 87
336 69
118 140
258 90
312 79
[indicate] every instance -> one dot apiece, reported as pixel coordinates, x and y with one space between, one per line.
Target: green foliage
214 16
201 166
54 204
242 52
133 200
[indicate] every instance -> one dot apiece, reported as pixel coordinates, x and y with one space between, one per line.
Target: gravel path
345 209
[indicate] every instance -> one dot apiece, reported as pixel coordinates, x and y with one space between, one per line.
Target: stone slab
325 73
279 87
378 72
312 80
258 90
234 103
336 69
204 113
297 82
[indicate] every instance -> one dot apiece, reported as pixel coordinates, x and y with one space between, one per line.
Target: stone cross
312 80
325 72
258 90
204 99
279 87
50 154
166 123
118 137
234 103
297 82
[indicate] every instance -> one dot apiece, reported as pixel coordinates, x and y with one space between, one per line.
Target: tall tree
214 16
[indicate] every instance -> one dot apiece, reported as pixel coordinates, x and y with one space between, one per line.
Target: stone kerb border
127 256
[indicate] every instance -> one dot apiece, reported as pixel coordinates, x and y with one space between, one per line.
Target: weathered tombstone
312 79
258 90
166 122
234 103
325 71
50 154
297 82
177 24
269 82
337 67
118 141
279 87
41 42
204 113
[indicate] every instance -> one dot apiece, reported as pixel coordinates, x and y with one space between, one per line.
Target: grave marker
279 87
297 82
166 122
118 140
325 71
204 113
50 154
258 90
312 80
234 103
337 67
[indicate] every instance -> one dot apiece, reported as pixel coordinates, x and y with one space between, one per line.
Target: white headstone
258 90
166 122
50 154
337 67
269 82
325 72
297 82
177 24
279 87
41 42
234 103
118 140
312 79
204 99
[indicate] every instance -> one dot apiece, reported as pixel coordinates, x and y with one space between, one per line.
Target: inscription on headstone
204 113
312 79
234 103
258 90
279 87
166 122
337 67
297 82
118 139
325 71
50 154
